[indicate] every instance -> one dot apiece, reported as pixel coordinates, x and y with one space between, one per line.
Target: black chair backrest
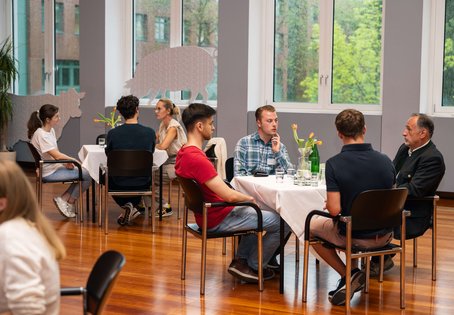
378 209
131 163
229 169
193 196
101 136
210 151
35 154
101 280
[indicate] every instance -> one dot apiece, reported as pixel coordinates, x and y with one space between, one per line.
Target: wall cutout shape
67 102
173 69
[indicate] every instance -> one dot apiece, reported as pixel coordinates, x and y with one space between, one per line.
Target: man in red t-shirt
191 162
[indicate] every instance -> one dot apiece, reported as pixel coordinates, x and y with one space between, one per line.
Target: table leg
281 256
93 200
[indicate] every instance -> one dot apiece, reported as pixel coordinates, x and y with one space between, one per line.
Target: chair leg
305 269
179 200
380 271
224 246
260 259
81 203
434 240
415 252
105 212
183 249
40 195
100 201
203 265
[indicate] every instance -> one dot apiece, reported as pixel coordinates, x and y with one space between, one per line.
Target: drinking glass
280 175
102 142
290 177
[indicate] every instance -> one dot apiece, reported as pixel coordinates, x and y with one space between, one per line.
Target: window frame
432 60
324 105
175 40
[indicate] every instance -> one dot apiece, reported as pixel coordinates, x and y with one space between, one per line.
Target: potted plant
8 73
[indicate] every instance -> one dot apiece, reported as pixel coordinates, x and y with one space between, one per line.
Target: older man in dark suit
420 168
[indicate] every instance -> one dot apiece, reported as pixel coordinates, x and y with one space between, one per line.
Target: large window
326 53
176 23
437 75
47 63
448 58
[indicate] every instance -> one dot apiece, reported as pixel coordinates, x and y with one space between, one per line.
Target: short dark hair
425 122
127 106
350 123
261 109
196 112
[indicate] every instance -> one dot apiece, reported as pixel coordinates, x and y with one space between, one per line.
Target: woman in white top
42 134
170 137
29 249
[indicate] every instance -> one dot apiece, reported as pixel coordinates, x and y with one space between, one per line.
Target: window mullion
325 54
49 44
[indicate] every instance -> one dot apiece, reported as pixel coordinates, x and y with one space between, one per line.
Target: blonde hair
174 110
21 202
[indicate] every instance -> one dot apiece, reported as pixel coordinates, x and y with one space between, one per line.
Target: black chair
371 210
194 201
125 163
433 226
229 169
100 282
39 163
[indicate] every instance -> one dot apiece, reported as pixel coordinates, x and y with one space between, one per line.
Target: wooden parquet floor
150 281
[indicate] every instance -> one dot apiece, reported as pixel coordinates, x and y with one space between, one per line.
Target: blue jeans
241 218
63 174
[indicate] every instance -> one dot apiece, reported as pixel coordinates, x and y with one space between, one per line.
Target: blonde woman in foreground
29 249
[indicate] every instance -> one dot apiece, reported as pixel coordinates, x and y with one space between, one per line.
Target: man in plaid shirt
261 151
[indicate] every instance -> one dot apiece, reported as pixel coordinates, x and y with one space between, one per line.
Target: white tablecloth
92 155
292 202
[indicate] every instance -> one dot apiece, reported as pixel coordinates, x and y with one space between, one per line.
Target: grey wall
232 70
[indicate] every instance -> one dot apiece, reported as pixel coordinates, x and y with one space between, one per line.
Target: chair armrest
307 223
228 184
76 163
241 204
72 291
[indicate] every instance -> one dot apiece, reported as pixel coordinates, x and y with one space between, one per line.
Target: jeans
64 174
241 218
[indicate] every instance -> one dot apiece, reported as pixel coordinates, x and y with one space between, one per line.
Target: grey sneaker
166 211
375 266
64 207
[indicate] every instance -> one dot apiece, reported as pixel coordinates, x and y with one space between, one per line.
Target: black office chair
125 163
100 282
39 163
195 202
371 210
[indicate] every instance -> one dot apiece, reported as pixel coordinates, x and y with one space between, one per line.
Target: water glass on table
280 174
290 176
102 142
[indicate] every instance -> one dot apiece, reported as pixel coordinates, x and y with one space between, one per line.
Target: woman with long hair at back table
42 134
171 137
29 249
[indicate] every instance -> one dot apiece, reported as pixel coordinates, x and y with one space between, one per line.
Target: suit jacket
421 174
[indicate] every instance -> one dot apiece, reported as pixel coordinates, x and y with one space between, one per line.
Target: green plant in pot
8 73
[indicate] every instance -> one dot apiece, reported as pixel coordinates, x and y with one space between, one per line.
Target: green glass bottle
314 157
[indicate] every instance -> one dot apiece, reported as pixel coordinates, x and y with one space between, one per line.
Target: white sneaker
64 207
129 215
